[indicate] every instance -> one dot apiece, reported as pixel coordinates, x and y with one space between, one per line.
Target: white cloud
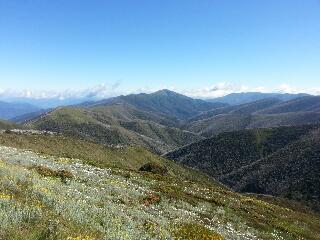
96 92
221 89
286 88
106 90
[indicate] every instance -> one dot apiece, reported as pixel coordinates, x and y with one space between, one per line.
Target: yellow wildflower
80 238
5 196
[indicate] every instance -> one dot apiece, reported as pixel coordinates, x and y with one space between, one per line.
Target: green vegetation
308 103
115 124
194 231
280 161
259 114
98 176
236 122
129 158
110 202
154 168
47 172
168 103
5 125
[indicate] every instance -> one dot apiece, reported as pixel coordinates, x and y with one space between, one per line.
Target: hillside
163 102
292 172
258 114
127 112
246 97
21 119
52 191
234 122
158 120
265 106
115 124
310 103
11 110
246 108
4 125
265 161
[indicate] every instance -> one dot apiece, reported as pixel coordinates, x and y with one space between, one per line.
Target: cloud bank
222 89
97 91
105 90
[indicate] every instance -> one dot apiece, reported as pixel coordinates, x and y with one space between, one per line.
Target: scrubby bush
154 168
194 231
151 199
48 172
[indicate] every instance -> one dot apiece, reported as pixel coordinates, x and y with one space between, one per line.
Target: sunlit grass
55 197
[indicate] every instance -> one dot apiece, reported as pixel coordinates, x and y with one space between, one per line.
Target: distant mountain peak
167 92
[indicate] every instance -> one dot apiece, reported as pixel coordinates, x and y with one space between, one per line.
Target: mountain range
165 102
264 113
246 97
115 124
165 120
10 110
163 163
149 120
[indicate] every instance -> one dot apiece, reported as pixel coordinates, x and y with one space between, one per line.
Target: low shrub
154 168
151 199
194 231
48 172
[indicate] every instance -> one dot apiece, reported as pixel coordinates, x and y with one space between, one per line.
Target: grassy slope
114 125
127 112
4 125
130 158
119 203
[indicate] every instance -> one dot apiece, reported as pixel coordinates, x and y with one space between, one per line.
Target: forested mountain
164 102
259 114
246 97
281 161
310 104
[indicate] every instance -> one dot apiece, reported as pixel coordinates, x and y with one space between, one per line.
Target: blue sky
141 45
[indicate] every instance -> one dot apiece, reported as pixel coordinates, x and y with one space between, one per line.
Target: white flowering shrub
95 203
